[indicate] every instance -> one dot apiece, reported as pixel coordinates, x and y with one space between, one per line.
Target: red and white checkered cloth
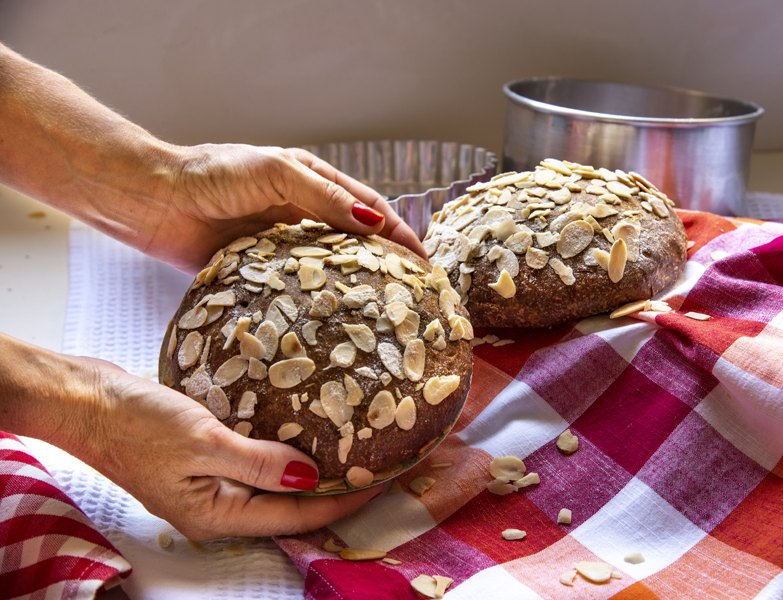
681 437
48 548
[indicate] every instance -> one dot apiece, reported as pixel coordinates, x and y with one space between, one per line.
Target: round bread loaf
350 349
565 241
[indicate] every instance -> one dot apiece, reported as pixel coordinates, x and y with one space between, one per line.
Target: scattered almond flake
332 238
288 430
357 554
405 415
317 409
594 571
442 585
617 260
629 308
218 403
616 574
355 393
309 251
343 448
311 278
164 539
535 259
330 546
198 385
513 534
195 546
391 561
364 433
309 225
602 258
251 347
362 336
394 265
634 558
383 325
567 442
719 255
527 480
697 316
395 488
193 319
256 370
413 360
291 372
190 350
658 306
504 286
392 359
324 304
275 282
425 585
386 378
476 342
565 273
500 343
568 577
359 477
333 401
247 405
690 244
408 330
387 472
343 355
420 485
205 351
292 347
507 468
366 372
438 388
382 409
564 517
296 404
230 371
500 487
235 549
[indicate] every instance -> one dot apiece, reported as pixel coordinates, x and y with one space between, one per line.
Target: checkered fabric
680 425
48 548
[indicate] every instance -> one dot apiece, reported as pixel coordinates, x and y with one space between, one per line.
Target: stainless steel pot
693 146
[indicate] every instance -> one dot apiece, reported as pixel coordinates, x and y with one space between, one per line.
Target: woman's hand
225 191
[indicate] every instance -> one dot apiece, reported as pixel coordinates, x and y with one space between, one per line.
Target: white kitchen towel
119 304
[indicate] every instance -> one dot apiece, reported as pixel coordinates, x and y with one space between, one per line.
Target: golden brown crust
277 405
542 297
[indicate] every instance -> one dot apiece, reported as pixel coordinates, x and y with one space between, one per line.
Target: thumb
271 466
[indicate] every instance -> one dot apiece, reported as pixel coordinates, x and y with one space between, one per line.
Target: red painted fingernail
300 476
366 215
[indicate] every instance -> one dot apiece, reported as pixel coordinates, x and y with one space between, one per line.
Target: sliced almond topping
198 385
500 487
324 304
291 266
394 292
359 296
617 259
205 351
396 312
442 585
527 480
565 273
355 393
697 316
413 359
256 370
366 259
218 403
292 347
425 585
243 428
628 231
362 336
366 372
434 329
386 378
227 298
628 309
658 306
568 577
242 244
333 400
439 344
509 468
364 433
359 477
594 571
242 327
310 251
391 561
574 238
332 238
190 350
172 341
309 331
357 554
602 258
317 408
289 373
513 534
381 411
373 247
505 285
343 448
448 299
230 371
326 485
311 278
438 388
634 558
421 485
564 517
405 415
288 431
391 358
251 347
275 282
567 442
247 405
194 318
268 334
408 330
394 265
383 325
535 259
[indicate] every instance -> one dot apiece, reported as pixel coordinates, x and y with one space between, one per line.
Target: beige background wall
290 72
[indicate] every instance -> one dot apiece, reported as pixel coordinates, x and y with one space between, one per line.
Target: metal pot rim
754 110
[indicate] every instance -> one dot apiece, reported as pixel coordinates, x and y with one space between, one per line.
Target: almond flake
256 370
602 258
364 433
568 577
438 388
567 442
324 304
527 480
433 330
500 487
290 373
356 554
330 546
227 298
198 384
439 344
193 319
359 477
425 585
366 372
513 534
386 378
190 350
359 296
164 539
413 359
617 260
405 415
504 286
391 358
243 428
508 468
535 259
288 431
251 347
268 334
218 403
230 371
634 558
697 316
311 278
630 308
394 265
381 411
408 330
396 312
292 347
421 485
343 448
317 409
383 325
574 238
247 405
594 571
564 517
309 251
205 351
333 401
391 561
242 327
362 336
242 244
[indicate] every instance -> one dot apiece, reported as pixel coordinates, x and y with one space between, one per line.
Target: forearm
60 146
45 395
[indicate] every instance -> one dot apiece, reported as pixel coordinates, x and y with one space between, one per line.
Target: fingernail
300 476
366 215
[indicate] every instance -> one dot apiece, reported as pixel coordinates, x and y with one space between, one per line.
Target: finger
394 228
266 465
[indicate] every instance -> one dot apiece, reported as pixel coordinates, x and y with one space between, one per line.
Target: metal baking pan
416 177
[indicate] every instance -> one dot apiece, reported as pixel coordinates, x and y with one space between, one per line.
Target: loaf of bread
563 242
353 350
